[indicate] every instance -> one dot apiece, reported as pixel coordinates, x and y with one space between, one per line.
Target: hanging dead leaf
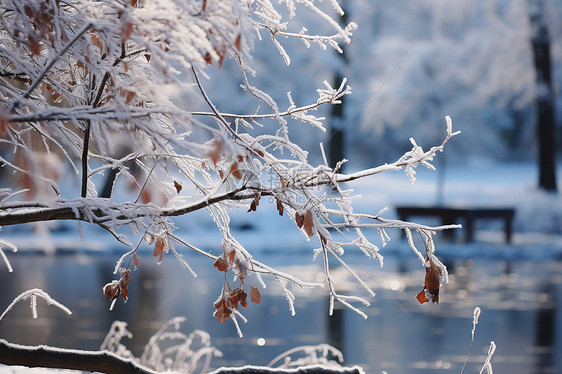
221 264
433 281
111 291
422 298
222 55
136 260
238 296
159 246
145 195
235 171
203 5
231 255
279 206
253 207
299 220
208 58
237 42
255 203
215 152
222 312
147 56
431 285
178 186
308 224
255 296
124 284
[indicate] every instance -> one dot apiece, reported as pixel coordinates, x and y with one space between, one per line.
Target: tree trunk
546 130
336 135
337 120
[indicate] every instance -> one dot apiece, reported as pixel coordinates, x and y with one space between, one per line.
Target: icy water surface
520 301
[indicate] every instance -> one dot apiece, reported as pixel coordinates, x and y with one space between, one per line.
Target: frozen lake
520 300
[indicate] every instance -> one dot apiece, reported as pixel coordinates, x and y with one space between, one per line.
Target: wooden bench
450 215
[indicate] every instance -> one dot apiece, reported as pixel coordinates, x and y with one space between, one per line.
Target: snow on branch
33 294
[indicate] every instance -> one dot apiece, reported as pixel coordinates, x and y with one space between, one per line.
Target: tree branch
108 362
59 358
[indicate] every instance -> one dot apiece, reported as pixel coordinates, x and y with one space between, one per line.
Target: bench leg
508 230
469 228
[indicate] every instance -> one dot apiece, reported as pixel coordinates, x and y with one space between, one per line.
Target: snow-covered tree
415 61
98 97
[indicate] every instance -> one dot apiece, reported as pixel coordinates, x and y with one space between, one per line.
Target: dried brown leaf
421 297
136 260
215 152
431 285
178 186
221 264
159 246
208 58
111 291
253 207
237 42
124 283
222 312
235 171
308 224
433 281
299 220
280 208
255 296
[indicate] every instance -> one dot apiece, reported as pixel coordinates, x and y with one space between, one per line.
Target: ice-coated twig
4 243
488 362
313 355
33 294
475 316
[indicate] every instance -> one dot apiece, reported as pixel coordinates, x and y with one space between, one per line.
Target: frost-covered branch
33 294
